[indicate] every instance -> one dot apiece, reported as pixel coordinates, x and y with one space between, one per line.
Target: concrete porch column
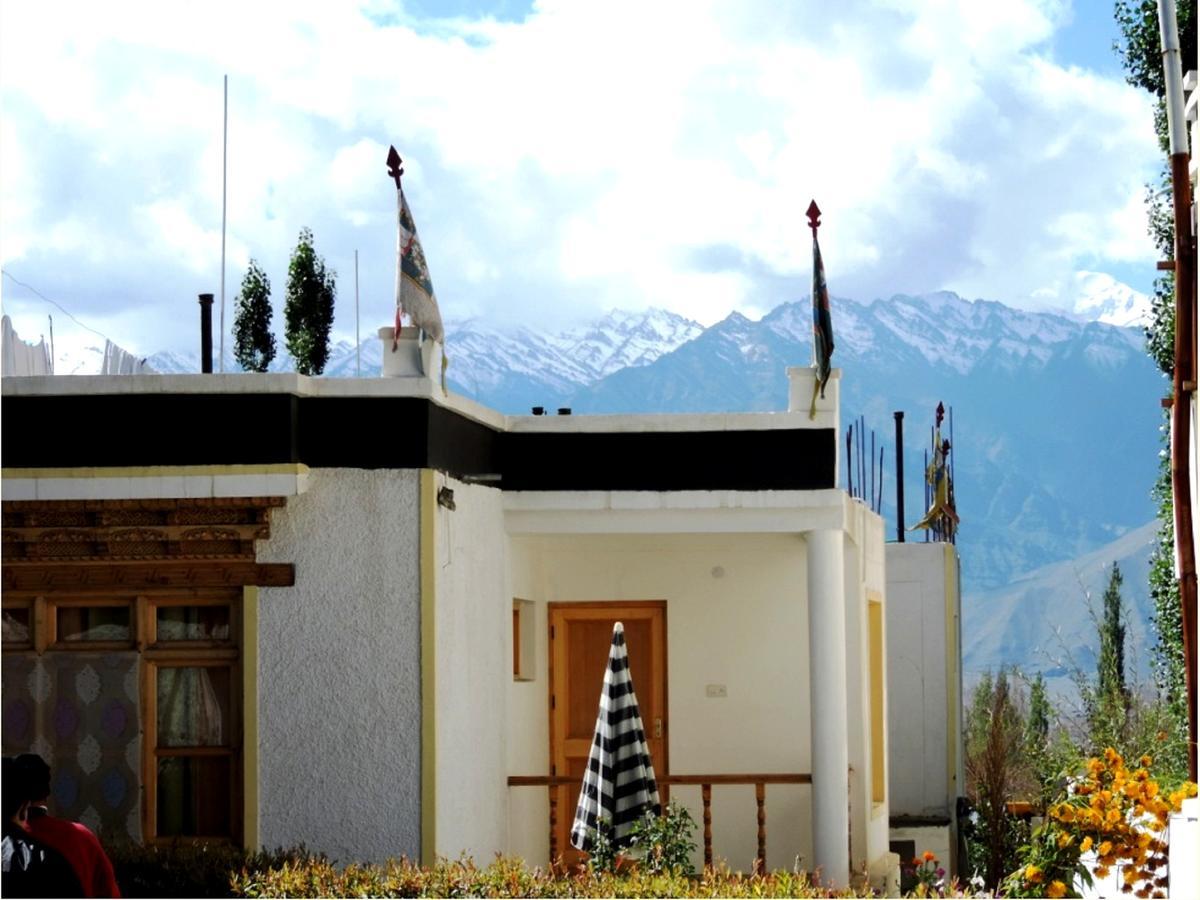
827 689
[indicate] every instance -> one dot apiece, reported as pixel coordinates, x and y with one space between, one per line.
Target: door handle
658 726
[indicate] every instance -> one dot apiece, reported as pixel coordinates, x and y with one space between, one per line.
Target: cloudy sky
564 156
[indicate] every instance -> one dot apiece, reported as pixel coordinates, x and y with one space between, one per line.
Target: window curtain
80 712
190 711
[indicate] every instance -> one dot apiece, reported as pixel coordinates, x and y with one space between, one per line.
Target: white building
372 618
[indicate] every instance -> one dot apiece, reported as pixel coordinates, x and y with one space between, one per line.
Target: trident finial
814 217
395 165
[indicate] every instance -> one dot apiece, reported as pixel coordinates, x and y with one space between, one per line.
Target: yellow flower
1033 874
1132 876
1105 848
1103 872
1086 844
1190 787
1056 889
1145 760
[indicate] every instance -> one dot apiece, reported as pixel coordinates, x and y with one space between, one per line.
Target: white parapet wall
924 686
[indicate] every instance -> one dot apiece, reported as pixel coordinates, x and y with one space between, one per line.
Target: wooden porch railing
706 782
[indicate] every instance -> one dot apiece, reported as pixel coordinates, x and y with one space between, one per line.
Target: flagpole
814 222
224 171
357 342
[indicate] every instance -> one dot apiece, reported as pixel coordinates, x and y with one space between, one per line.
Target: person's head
34 773
15 798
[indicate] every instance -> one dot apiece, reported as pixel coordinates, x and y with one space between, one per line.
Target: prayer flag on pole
822 321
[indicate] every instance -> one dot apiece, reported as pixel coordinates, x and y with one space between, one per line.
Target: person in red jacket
73 840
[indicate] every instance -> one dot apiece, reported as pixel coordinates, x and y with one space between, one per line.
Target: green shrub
507 877
192 870
664 844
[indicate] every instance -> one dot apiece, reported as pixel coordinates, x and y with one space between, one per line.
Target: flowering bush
929 878
1119 813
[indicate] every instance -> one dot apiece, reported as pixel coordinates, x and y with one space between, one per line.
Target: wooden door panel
580 638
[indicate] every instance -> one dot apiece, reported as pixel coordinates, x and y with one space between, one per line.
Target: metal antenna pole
357 342
51 344
224 171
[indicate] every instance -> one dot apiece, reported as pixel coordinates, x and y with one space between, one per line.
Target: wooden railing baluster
553 825
760 797
705 782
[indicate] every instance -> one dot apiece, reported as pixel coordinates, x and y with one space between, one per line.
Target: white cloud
617 153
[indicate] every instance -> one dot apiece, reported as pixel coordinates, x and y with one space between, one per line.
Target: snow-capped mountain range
1057 415
1101 298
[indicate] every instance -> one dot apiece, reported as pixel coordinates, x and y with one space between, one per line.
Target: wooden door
580 637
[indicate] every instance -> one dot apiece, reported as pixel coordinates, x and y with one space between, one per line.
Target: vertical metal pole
850 460
872 498
224 169
925 479
51 345
862 449
899 417
879 496
357 342
1185 349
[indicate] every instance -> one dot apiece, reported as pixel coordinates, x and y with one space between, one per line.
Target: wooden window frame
27 603
152 655
54 604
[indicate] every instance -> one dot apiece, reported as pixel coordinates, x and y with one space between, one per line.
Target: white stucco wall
474 671
923 679
339 669
736 616
864 581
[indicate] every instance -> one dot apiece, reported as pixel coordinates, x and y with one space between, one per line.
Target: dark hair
33 774
13 789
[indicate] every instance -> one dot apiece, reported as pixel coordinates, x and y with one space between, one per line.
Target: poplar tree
308 311
1111 665
1037 727
253 342
1140 50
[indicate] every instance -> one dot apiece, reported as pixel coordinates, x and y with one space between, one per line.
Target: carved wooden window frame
152 655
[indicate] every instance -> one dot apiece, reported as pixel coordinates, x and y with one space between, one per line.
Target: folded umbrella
618 784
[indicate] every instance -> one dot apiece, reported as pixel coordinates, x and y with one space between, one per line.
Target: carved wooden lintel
46 577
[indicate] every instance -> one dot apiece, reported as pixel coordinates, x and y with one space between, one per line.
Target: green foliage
1050 862
308 309
253 343
663 844
1160 331
997 772
602 856
192 870
1037 727
1140 49
1110 669
1140 46
1167 618
1049 751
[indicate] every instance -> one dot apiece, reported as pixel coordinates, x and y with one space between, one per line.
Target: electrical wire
54 303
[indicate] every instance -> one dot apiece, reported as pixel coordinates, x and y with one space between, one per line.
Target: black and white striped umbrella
618 785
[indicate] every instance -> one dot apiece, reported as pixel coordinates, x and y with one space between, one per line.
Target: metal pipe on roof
206 303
